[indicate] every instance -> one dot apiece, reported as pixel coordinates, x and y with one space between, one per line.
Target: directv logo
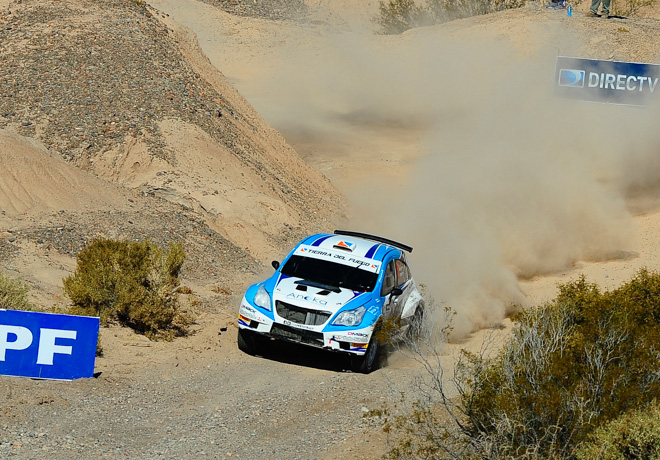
616 82
572 78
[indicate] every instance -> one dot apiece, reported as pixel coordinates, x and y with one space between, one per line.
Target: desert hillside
113 92
236 127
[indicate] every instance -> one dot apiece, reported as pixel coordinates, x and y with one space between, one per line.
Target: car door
397 275
403 282
389 283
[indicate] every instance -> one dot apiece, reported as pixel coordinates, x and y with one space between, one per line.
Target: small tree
572 365
132 283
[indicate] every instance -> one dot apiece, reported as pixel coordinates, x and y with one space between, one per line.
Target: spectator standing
605 11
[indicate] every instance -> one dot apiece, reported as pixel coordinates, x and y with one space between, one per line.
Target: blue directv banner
612 82
47 346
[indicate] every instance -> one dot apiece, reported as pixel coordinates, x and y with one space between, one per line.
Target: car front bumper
353 341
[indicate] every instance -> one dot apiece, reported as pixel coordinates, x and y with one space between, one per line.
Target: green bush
397 16
570 366
632 436
131 283
14 294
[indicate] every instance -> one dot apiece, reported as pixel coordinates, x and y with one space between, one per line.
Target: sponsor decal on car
353 337
359 262
307 298
359 346
243 321
339 338
346 244
248 312
286 322
357 334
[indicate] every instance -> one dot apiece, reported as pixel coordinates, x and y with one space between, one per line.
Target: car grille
300 315
297 335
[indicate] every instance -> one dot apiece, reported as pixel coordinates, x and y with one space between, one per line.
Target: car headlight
262 298
350 317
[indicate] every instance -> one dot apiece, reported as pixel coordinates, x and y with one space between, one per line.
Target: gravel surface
236 406
208 253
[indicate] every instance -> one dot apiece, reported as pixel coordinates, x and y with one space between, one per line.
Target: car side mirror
396 292
275 264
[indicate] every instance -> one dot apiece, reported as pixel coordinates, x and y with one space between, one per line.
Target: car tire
247 342
370 361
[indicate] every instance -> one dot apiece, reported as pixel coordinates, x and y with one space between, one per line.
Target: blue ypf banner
47 346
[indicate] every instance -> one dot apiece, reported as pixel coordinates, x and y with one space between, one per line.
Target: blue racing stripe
372 250
321 240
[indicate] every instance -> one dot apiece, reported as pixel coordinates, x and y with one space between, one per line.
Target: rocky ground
56 78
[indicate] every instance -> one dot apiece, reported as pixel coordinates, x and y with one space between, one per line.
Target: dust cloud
461 151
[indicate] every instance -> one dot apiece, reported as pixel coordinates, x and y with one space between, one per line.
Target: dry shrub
14 294
629 7
634 435
570 366
397 16
132 283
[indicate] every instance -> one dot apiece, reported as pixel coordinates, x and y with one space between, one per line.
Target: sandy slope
237 152
34 182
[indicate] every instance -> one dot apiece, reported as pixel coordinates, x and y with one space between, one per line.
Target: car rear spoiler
380 239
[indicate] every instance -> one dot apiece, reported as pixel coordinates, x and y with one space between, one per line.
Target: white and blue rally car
334 291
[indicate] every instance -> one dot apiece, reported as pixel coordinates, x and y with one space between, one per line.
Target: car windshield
330 273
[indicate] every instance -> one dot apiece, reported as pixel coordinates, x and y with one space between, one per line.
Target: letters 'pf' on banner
46 345
613 82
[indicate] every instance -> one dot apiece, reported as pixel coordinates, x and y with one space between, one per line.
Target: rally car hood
298 292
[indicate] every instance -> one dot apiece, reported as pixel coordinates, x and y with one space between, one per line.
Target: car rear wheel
247 342
370 361
414 331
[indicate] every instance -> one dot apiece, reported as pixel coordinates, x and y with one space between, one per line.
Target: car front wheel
247 342
370 361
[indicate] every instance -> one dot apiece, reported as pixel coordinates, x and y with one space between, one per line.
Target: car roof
355 245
